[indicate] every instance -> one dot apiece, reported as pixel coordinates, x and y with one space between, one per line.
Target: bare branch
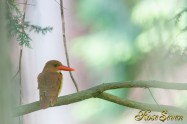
152 96
141 106
28 4
19 66
98 92
20 61
20 82
65 44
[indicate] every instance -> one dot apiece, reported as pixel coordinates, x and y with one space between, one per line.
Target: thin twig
20 83
65 44
59 4
21 49
27 4
97 92
139 105
20 76
152 96
16 73
20 61
19 65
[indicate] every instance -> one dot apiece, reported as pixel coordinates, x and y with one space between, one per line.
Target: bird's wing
61 83
41 79
49 83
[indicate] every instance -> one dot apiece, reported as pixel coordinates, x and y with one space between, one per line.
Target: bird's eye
55 65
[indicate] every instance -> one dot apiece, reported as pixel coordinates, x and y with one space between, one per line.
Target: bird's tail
44 102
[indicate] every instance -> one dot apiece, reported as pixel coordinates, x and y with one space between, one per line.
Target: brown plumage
50 83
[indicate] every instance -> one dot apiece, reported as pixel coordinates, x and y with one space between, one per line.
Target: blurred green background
128 40
108 41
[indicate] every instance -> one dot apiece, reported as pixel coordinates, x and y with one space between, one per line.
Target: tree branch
98 92
65 43
139 105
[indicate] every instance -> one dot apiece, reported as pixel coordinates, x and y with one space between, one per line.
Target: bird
50 82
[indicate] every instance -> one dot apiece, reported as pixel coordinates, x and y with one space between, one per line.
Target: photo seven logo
163 116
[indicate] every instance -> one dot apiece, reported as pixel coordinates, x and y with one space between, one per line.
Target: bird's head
55 66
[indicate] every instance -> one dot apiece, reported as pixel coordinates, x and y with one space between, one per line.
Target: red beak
65 68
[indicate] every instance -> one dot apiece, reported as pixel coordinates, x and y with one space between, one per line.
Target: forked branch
98 92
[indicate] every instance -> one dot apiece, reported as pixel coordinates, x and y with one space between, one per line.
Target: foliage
20 28
178 17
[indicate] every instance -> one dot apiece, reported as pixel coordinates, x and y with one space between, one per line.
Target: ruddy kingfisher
50 82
